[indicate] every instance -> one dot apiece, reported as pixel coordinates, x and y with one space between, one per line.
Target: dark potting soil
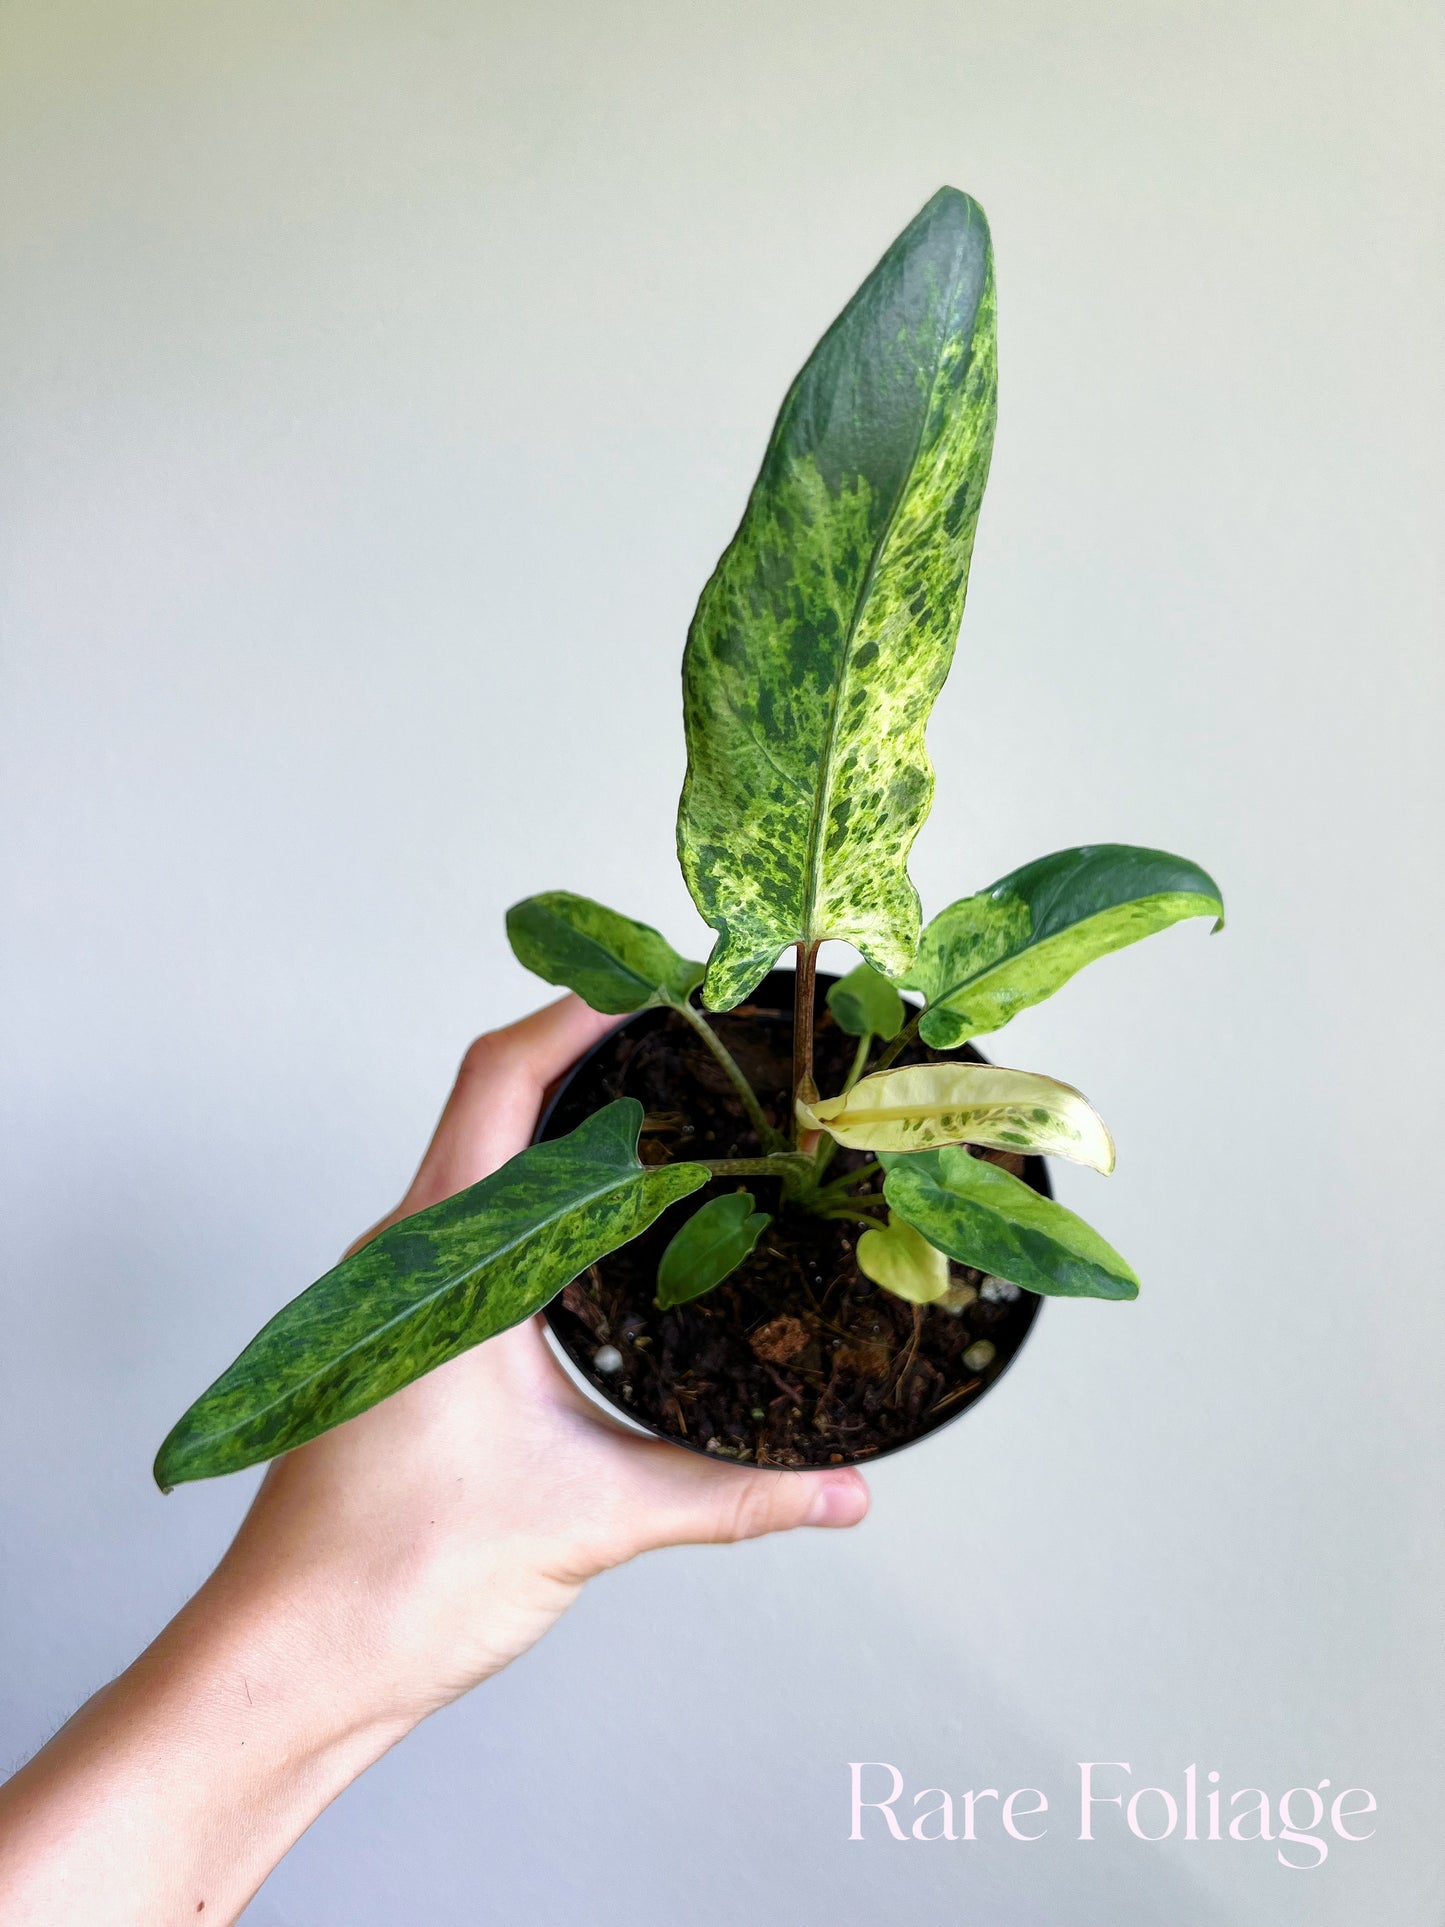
796 1359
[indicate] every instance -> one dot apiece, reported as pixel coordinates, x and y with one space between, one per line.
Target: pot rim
770 995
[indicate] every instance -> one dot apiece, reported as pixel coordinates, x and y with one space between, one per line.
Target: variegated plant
812 663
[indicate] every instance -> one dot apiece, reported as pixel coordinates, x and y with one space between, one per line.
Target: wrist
296 1674
177 1788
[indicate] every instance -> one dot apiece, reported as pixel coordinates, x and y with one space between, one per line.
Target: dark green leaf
713 1242
981 1216
985 958
828 626
864 1003
426 1289
612 963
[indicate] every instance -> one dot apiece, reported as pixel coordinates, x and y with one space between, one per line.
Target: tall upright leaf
828 626
428 1288
987 957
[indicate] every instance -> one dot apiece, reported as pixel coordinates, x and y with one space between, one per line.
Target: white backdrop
380 384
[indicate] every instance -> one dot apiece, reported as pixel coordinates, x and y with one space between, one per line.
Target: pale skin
383 1570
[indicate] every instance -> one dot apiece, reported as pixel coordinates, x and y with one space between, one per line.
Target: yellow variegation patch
828 626
903 1262
923 1105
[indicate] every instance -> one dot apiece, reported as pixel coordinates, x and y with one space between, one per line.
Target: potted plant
786 1221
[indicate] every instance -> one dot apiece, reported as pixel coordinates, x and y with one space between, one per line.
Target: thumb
693 1501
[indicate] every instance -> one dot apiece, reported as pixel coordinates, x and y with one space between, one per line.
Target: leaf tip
166 1472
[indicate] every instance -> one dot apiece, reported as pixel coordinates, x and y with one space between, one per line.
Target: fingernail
838 1502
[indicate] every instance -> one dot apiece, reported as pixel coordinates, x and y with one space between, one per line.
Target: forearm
173 1792
383 1569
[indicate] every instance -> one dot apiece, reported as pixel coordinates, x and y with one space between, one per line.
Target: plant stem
767 1136
900 1042
804 989
823 1156
840 1187
860 1060
847 1211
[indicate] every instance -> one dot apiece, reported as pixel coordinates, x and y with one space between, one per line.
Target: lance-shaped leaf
901 1259
866 1004
426 1289
923 1105
613 963
713 1243
981 1216
828 626
987 957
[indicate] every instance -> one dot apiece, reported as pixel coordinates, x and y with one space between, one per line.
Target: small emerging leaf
712 1244
865 1003
427 1288
987 957
923 1105
903 1261
613 963
828 626
983 1217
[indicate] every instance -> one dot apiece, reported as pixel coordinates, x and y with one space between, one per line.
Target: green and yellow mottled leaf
987 957
827 629
865 1004
427 1288
613 963
902 1260
923 1105
711 1245
981 1216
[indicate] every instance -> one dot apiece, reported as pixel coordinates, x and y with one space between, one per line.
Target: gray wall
381 381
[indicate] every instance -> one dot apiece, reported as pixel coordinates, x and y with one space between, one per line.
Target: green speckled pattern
426 1289
827 629
987 957
923 1105
981 1216
612 962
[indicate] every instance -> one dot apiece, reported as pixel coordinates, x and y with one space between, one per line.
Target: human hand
463 1514
383 1569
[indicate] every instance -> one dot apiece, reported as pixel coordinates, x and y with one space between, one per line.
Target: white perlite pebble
978 1355
607 1358
999 1291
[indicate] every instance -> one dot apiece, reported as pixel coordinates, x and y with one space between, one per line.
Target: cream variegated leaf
827 629
903 1262
923 1105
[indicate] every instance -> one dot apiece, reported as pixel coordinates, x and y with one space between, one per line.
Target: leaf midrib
901 1113
609 957
1059 936
823 796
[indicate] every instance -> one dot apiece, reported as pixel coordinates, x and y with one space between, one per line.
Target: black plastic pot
772 1003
